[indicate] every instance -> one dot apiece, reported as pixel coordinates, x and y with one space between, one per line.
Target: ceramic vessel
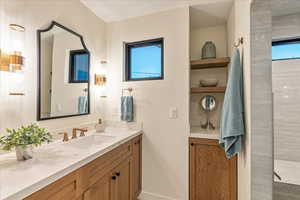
209 50
100 127
24 153
209 83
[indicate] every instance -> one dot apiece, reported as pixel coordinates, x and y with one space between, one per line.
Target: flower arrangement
24 137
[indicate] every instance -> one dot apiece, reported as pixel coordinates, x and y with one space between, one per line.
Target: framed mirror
63 73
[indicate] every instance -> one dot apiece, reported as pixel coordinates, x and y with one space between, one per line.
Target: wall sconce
100 79
4 61
13 59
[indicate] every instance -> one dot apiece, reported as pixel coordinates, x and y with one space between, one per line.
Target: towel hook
128 89
240 42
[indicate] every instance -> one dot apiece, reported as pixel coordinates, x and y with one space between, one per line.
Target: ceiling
212 14
285 7
116 10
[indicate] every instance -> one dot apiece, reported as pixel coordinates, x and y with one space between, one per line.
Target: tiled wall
285 27
261 101
286 89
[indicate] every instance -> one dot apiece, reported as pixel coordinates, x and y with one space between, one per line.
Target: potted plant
23 139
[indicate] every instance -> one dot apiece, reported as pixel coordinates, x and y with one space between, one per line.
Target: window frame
72 62
285 42
144 43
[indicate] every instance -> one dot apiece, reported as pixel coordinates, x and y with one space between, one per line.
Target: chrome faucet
82 132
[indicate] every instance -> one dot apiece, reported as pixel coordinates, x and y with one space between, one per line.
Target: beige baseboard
151 196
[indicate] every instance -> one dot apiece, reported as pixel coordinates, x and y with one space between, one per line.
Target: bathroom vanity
98 166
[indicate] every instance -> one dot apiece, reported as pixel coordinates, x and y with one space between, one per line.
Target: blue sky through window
146 62
286 51
81 68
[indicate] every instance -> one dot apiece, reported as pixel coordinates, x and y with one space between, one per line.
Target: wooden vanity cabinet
137 166
99 190
121 181
212 175
66 188
116 175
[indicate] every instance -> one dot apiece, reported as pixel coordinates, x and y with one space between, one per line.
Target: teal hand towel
127 108
82 105
232 127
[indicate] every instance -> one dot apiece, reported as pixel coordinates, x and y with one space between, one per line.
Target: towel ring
127 89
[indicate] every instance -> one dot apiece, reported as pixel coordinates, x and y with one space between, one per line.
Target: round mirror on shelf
208 103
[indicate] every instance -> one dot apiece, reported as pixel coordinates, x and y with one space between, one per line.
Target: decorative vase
24 153
209 50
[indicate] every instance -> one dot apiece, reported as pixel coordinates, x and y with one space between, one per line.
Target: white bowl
209 82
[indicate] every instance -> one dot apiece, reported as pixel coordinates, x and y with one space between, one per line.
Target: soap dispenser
100 126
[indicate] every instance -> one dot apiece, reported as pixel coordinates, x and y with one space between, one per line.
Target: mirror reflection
64 73
208 103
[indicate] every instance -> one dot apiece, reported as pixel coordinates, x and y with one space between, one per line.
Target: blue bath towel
127 108
232 126
82 104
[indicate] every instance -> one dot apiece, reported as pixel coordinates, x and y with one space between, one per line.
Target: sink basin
90 140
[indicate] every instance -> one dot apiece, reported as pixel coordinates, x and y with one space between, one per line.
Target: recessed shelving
210 63
208 90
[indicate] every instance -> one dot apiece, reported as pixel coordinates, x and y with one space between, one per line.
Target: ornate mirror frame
39 89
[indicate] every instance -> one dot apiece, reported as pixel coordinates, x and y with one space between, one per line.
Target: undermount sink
86 141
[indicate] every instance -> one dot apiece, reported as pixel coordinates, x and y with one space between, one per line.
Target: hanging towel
127 108
232 126
82 104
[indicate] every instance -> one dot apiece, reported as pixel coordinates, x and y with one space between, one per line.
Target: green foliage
26 135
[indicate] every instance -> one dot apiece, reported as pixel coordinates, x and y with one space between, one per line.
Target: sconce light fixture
100 79
4 61
17 27
13 60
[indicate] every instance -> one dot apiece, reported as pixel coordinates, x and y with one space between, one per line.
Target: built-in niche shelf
210 63
208 90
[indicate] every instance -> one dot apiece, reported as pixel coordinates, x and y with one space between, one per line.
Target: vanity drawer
66 188
102 165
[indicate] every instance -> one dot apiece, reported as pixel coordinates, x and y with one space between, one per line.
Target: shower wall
286 88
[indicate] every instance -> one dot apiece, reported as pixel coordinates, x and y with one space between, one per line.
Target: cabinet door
212 175
121 181
99 191
66 188
137 166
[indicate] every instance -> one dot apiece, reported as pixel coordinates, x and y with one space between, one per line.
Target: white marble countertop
53 161
198 132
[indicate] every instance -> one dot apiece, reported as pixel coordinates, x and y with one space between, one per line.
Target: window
144 60
79 66
287 49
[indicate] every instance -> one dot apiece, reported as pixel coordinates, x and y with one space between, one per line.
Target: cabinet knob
113 177
192 144
118 173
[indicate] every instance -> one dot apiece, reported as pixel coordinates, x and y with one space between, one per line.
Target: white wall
46 56
216 34
165 145
65 95
35 14
239 26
